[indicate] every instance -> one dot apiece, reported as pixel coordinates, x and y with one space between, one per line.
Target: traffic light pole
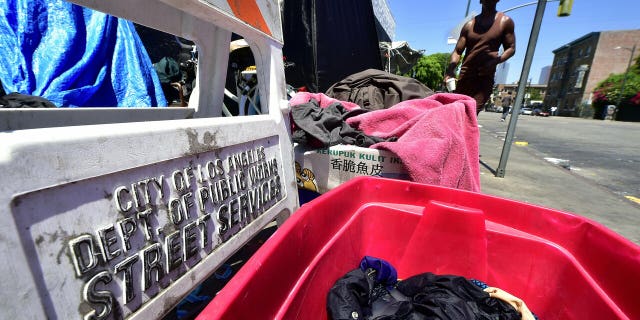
526 4
524 75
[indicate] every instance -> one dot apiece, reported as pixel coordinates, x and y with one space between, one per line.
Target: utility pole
524 75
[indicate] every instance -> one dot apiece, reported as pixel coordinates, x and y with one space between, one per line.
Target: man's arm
509 39
457 53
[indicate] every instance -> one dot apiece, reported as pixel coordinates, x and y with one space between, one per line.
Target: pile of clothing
17 100
372 291
434 135
319 121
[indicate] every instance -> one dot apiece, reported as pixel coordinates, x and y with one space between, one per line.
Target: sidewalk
536 181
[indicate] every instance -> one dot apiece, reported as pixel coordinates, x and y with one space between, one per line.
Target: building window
582 69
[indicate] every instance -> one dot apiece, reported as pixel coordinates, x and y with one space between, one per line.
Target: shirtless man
480 40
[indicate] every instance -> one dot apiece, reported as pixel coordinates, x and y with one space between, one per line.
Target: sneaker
501 120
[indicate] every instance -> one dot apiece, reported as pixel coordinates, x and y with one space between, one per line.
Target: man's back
506 101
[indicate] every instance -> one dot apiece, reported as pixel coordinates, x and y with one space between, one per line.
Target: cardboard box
321 170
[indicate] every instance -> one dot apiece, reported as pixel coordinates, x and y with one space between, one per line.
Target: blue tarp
74 56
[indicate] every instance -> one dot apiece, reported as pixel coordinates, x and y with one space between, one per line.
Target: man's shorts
479 88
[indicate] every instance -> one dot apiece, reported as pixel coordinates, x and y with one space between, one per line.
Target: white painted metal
67 192
30 118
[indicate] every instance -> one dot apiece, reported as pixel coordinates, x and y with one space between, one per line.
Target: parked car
489 107
539 112
527 111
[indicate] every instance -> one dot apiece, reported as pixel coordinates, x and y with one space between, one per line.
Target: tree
430 70
609 91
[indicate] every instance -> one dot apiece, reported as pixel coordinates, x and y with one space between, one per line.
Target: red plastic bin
562 265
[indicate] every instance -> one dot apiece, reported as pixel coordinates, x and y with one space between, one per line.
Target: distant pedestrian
480 40
506 105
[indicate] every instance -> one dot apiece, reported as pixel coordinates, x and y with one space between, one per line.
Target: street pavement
531 179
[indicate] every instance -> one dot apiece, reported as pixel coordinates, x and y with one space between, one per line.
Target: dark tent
398 56
326 41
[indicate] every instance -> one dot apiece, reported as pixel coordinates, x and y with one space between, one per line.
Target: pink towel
438 138
323 100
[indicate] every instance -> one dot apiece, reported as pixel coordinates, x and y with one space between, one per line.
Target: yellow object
522 143
305 178
564 8
634 199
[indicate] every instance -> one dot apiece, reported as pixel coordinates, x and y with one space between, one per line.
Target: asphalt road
605 152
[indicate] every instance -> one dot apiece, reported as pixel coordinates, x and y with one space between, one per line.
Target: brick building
580 65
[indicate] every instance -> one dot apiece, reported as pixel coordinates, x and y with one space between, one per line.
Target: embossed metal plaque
121 240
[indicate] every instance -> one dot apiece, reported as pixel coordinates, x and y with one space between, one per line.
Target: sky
426 24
